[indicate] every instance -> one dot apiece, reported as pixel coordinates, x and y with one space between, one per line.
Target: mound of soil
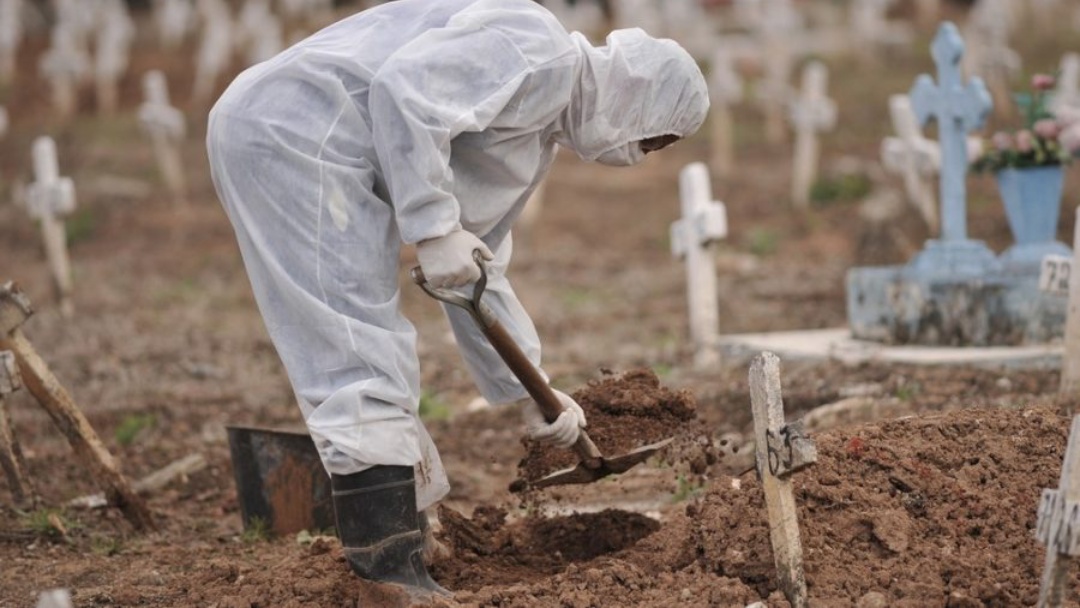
935 511
624 412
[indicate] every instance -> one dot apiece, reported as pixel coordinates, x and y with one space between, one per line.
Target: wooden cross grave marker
914 157
11 457
1058 524
781 449
48 199
704 221
812 113
15 309
1070 363
166 128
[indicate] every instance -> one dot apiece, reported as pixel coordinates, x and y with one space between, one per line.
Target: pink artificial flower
1002 141
1047 128
1042 82
1025 141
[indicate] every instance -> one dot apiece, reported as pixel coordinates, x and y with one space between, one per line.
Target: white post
1070 364
215 51
703 222
780 450
48 198
811 113
174 19
1067 90
112 56
774 91
914 157
1058 524
166 127
725 89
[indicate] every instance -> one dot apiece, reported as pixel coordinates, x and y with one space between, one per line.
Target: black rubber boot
379 528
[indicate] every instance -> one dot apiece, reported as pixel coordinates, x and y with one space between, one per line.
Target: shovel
593 465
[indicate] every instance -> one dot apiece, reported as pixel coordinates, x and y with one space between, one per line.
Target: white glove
562 433
447 261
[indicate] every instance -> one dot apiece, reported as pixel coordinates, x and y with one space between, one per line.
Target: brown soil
624 412
167 347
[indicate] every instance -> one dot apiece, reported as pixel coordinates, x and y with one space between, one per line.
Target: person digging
425 123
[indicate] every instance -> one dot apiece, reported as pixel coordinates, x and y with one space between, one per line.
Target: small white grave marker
111 56
812 113
913 156
1058 524
781 449
174 19
214 55
778 29
725 89
1067 91
704 221
48 199
1054 274
166 127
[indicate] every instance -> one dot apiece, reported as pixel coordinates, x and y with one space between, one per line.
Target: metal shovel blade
608 466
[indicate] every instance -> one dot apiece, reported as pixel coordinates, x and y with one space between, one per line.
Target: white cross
10 37
166 127
704 221
64 65
781 25
725 89
813 112
47 199
174 19
1067 92
913 156
111 59
213 57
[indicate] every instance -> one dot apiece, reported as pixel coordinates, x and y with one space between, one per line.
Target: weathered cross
781 449
914 157
704 221
213 56
1058 524
811 113
780 24
166 127
174 20
112 52
958 109
47 199
64 65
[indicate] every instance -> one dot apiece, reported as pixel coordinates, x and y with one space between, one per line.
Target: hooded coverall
403 123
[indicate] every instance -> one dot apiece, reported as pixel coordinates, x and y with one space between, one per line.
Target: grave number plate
1054 275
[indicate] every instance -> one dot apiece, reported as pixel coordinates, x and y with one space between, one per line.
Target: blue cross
958 109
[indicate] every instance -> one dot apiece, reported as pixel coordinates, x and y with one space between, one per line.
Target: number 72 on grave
1054 274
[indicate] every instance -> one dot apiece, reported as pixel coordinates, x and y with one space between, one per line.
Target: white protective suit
399 124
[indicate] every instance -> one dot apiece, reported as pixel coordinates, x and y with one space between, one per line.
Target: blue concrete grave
955 291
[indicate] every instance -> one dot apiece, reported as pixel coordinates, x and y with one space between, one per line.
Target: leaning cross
704 221
166 127
781 449
913 156
15 309
1058 524
48 198
811 113
11 457
958 109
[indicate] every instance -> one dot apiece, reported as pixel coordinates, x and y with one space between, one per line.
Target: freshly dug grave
626 411
933 511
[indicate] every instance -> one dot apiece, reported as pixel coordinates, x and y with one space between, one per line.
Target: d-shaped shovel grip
511 353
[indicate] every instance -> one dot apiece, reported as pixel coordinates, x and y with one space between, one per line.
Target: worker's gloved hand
447 261
562 433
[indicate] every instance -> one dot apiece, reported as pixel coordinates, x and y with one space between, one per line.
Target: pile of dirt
626 411
934 511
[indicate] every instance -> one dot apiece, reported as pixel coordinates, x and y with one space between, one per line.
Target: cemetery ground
932 505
